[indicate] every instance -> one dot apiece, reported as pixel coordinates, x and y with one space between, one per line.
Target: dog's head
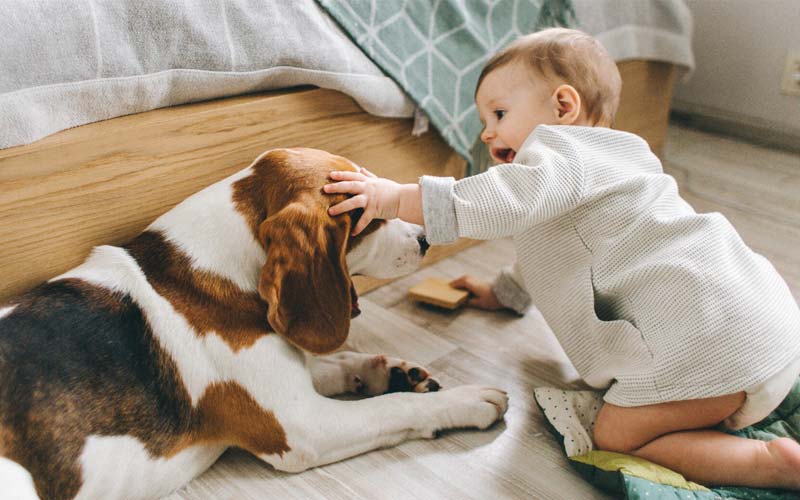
311 255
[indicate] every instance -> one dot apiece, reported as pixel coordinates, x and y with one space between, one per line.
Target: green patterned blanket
435 49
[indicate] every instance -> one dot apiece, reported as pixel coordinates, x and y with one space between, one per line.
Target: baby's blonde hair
561 55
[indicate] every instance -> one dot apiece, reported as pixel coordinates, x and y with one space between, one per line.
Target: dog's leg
16 481
367 374
323 430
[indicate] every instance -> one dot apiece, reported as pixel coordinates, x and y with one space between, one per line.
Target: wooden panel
104 182
644 104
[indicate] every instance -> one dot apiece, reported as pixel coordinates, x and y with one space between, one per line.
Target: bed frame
103 183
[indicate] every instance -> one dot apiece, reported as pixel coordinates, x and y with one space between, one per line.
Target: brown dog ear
305 280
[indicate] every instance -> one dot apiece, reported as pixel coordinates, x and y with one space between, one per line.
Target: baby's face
510 106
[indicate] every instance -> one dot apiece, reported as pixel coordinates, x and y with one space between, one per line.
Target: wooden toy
438 293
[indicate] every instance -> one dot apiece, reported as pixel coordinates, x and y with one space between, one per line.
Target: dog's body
129 375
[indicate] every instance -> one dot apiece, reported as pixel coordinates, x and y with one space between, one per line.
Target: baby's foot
786 459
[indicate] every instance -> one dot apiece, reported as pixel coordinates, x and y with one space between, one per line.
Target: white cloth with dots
573 414
649 299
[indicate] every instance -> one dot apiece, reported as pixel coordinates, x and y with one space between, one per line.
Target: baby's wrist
409 207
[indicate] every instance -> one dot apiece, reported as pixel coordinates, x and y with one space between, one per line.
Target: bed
111 113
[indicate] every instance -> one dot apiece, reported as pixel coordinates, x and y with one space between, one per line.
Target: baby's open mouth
504 154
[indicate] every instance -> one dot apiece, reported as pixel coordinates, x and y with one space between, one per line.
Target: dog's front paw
381 375
468 406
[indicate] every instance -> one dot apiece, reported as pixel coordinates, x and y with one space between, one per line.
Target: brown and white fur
129 375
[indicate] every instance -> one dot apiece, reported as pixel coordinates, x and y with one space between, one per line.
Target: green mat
634 478
435 49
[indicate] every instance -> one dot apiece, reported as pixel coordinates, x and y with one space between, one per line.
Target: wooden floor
756 188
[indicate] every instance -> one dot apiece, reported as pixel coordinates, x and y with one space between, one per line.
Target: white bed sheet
659 30
64 63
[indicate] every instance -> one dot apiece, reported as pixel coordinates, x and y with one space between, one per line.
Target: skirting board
742 127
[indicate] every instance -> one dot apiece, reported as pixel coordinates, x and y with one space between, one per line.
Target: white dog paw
469 406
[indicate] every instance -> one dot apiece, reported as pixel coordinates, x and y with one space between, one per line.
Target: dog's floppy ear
305 280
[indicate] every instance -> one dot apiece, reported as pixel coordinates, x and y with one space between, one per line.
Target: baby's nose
487 135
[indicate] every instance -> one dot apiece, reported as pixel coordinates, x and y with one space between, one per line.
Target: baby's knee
610 435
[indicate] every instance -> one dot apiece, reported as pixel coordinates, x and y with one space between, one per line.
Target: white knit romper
649 299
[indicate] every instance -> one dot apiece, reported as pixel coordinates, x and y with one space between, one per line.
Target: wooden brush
438 293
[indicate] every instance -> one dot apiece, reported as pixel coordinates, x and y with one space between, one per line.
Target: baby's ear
567 104
305 279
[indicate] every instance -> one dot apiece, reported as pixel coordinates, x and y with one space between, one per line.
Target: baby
684 326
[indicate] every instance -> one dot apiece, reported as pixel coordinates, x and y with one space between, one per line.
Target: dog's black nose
423 244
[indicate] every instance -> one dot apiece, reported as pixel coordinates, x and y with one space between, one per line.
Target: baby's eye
499 113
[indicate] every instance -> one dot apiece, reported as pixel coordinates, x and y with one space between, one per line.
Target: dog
130 374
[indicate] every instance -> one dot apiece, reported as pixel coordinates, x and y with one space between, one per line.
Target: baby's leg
679 435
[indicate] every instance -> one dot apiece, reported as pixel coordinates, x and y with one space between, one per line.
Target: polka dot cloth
573 414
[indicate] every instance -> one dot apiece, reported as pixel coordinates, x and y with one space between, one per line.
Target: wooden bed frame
103 183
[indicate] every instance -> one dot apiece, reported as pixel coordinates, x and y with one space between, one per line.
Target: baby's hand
482 296
380 198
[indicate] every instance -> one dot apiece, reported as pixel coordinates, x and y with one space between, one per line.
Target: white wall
740 48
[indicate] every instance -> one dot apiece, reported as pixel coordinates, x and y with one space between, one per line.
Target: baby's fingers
359 201
352 187
462 283
344 175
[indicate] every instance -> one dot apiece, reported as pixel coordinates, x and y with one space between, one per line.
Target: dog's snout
423 244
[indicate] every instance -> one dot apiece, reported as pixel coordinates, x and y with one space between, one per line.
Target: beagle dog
129 375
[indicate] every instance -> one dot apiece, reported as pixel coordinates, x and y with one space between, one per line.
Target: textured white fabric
69 62
647 297
763 398
509 290
659 30
573 414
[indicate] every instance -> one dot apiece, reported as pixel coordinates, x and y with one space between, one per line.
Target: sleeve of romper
547 180
509 290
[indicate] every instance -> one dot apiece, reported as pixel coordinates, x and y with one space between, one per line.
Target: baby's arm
546 182
503 201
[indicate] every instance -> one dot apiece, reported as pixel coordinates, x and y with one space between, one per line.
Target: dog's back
78 360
